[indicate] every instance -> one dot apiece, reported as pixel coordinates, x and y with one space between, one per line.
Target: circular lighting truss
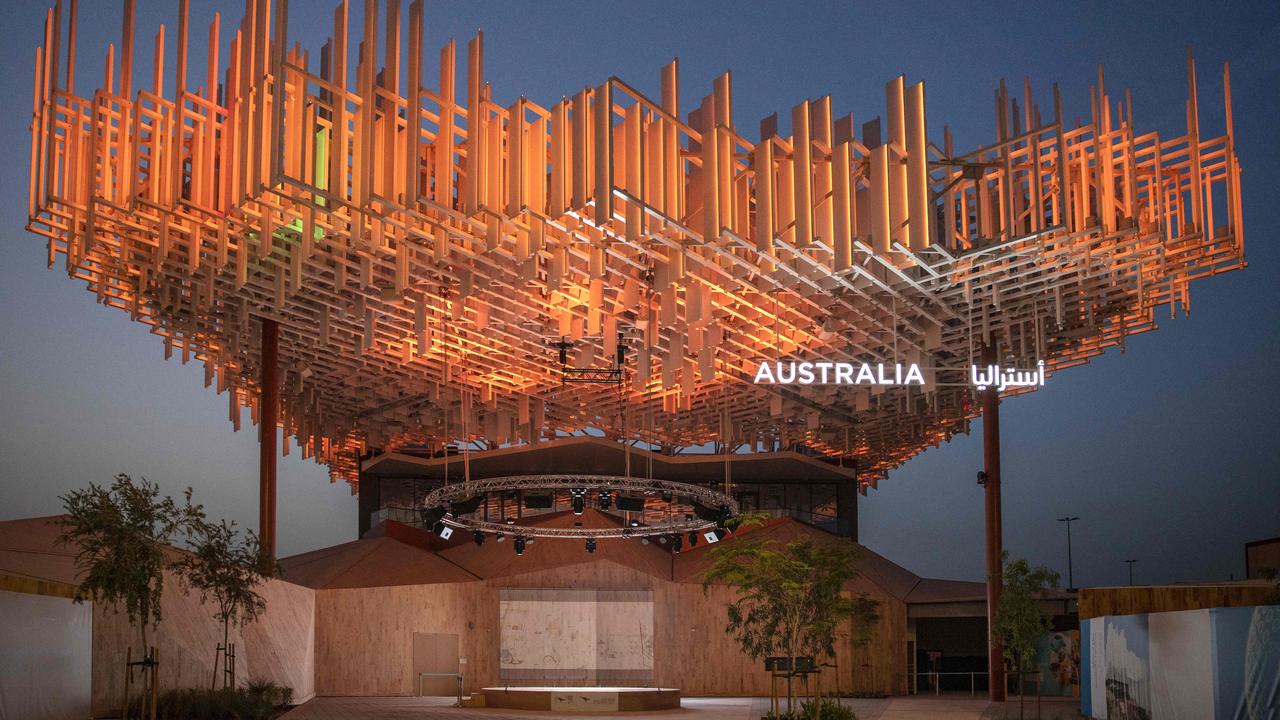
452 504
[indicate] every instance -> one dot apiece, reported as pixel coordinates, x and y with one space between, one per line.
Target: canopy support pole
269 412
995 542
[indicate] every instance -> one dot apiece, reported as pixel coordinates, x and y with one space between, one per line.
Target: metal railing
830 523
1013 679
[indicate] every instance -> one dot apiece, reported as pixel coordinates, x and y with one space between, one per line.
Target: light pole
1071 585
1131 562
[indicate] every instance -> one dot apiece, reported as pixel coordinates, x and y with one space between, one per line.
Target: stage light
579 500
511 521
591 545
432 515
666 496
629 504
605 499
478 537
662 539
725 515
693 538
465 507
519 542
499 537
676 542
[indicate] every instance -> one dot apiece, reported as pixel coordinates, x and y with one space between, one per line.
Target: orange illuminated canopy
428 251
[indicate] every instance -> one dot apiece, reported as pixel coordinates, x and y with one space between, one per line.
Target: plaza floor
898 708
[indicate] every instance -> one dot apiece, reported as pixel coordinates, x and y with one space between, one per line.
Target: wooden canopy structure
423 249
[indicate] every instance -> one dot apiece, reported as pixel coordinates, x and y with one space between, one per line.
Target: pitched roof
371 562
875 570
29 548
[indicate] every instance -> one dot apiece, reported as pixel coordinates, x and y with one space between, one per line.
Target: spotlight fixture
605 499
432 515
693 538
478 537
519 544
591 545
676 542
722 520
500 537
667 496
579 500
662 539
511 521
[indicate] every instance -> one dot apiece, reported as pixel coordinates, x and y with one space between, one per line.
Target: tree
1020 621
120 535
228 567
790 598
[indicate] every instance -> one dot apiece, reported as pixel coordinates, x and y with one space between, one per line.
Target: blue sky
1169 453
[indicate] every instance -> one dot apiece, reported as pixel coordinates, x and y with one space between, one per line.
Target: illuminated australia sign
823 372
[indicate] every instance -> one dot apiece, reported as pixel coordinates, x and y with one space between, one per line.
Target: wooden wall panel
691 651
279 646
1096 602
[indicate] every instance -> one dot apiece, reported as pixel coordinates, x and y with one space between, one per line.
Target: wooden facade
421 244
374 655
1097 602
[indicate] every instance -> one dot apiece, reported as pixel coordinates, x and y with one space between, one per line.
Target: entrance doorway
435 653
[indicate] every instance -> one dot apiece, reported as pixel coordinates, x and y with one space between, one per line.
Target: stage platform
582 699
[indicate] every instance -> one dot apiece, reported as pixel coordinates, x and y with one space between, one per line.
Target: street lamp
1071 585
1131 562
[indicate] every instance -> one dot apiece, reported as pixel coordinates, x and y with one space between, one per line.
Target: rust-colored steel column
995 539
268 415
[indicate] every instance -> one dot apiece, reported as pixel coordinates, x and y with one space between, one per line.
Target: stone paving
898 708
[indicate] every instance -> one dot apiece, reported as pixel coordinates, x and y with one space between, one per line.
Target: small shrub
259 700
862 694
826 708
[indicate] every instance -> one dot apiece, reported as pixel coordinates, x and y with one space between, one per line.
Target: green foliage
790 598
826 707
260 700
120 534
1020 622
1272 576
227 567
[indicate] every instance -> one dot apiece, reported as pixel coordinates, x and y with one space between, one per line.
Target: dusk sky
1169 453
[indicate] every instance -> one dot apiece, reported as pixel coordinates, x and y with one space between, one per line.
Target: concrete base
582 699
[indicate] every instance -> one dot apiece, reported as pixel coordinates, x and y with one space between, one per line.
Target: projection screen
591 637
